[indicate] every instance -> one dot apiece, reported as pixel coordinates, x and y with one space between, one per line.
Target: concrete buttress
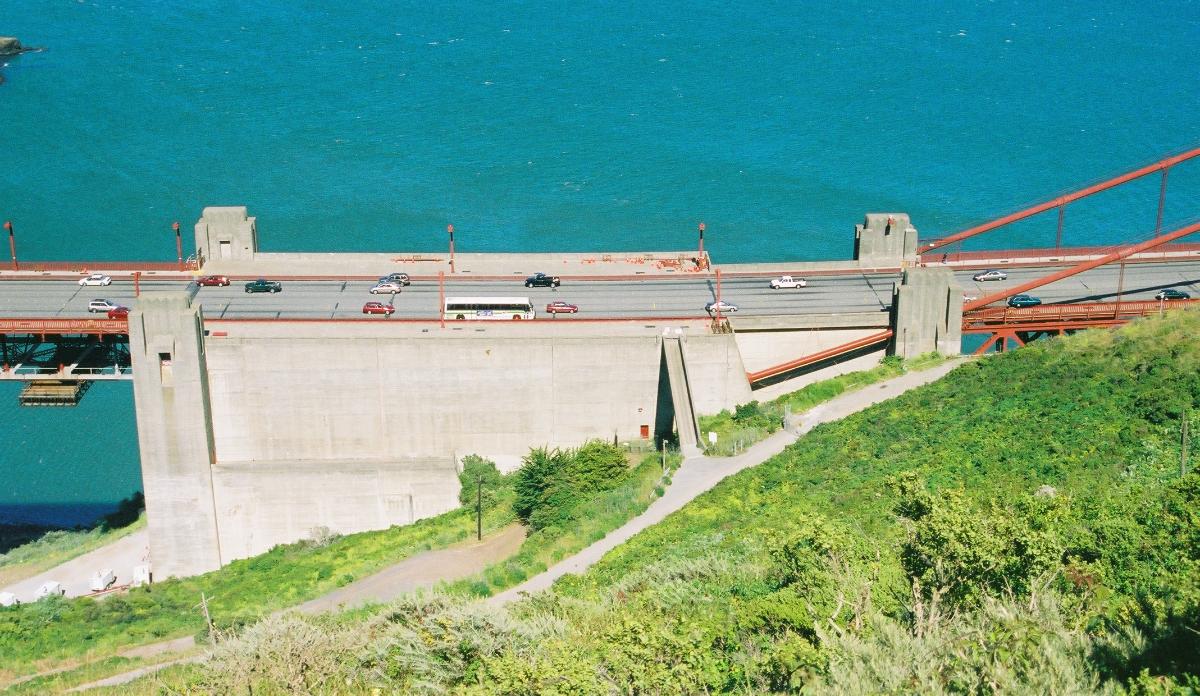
927 313
170 389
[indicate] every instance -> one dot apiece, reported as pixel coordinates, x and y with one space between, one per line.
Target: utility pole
178 244
450 229
1183 446
12 245
479 507
203 605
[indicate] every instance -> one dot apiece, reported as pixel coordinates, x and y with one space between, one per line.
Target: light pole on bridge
700 258
178 244
450 229
12 244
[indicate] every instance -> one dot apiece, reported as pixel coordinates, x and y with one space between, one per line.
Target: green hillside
1021 526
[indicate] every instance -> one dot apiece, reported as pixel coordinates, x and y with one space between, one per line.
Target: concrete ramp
681 397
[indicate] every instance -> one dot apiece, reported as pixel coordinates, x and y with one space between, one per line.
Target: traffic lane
1103 284
611 298
68 298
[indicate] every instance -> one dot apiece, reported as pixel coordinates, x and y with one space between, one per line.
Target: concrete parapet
885 239
927 313
175 436
226 234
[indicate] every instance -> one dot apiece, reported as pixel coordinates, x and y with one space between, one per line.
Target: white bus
488 308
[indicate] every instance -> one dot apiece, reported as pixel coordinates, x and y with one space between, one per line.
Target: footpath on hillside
699 474
423 570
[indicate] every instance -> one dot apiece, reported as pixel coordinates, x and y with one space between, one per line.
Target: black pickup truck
541 280
264 285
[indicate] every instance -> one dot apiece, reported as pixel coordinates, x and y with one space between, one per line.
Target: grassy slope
1070 414
57 547
737 431
34 635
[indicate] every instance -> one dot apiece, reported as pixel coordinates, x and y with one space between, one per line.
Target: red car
561 308
118 313
218 281
378 308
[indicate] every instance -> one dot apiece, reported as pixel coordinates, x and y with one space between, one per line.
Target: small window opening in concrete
164 369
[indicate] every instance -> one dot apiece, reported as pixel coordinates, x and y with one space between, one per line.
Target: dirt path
422 570
425 569
699 474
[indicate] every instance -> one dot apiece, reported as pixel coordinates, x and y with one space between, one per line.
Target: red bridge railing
991 318
97 327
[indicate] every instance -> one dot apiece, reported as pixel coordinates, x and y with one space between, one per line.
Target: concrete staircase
681 397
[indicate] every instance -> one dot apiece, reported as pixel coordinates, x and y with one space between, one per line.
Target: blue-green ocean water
542 125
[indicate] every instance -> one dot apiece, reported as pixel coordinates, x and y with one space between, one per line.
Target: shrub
476 469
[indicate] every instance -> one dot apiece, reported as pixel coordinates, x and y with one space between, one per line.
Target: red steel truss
37 326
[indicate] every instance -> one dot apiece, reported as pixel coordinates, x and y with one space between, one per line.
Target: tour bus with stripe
508 308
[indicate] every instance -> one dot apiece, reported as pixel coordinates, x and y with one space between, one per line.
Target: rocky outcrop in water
10 46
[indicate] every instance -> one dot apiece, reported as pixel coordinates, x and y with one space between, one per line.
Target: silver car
388 288
720 305
990 275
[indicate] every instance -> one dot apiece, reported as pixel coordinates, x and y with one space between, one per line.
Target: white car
102 305
388 288
788 282
95 279
990 275
721 305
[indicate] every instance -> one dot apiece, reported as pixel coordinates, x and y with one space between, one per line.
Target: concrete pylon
175 436
226 233
927 313
885 239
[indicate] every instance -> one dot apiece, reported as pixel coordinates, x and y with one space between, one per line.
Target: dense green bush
551 483
476 471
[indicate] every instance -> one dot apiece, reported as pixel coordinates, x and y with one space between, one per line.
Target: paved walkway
76 574
699 474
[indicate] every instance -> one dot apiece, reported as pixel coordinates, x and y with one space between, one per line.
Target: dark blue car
1019 301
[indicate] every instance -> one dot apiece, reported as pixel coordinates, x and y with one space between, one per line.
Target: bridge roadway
641 298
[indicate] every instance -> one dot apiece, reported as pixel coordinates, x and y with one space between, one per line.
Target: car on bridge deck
397 278
218 281
1172 294
118 313
95 279
264 285
541 280
386 288
990 275
788 283
1019 301
102 306
720 305
561 308
378 308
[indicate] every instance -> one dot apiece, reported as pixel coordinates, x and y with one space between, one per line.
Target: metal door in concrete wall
225 250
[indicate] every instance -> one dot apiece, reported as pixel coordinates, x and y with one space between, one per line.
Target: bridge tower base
927 313
885 240
175 435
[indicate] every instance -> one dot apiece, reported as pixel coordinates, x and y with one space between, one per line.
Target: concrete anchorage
261 433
